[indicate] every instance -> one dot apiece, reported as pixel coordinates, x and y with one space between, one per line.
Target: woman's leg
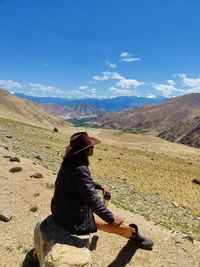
123 229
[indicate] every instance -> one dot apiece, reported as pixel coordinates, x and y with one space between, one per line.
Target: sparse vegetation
36 194
50 185
33 209
138 169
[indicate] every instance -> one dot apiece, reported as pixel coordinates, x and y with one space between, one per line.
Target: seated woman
76 205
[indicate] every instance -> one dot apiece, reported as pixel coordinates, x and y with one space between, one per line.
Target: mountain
105 104
177 119
80 111
12 107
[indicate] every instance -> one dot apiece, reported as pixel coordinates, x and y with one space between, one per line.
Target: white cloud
106 75
83 87
116 76
170 82
9 84
193 83
129 83
44 88
126 57
93 91
166 89
121 91
111 65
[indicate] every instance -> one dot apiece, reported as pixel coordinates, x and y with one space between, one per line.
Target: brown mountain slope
185 132
155 117
23 110
82 110
172 120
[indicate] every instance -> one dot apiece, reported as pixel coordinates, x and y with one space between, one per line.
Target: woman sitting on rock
76 205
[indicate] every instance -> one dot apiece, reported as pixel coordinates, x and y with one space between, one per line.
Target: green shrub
34 209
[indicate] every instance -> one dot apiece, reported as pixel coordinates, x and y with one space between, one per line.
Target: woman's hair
82 156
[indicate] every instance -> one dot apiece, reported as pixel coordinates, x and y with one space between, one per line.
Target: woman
76 205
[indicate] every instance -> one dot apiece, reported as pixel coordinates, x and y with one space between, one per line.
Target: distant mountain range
80 111
176 120
105 104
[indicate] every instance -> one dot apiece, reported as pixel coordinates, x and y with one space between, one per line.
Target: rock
36 175
14 159
38 157
6 156
189 238
196 181
55 247
55 130
6 215
9 136
6 147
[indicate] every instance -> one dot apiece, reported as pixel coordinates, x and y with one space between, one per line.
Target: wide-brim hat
79 142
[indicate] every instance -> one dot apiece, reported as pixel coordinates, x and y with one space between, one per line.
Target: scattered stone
175 204
196 181
36 175
6 215
12 158
16 169
38 157
55 130
9 136
190 238
45 166
55 246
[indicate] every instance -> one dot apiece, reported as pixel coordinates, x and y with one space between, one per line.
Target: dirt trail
21 193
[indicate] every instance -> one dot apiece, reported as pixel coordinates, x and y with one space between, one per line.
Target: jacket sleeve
86 187
97 185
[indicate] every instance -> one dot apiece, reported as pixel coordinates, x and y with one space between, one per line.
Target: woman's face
90 151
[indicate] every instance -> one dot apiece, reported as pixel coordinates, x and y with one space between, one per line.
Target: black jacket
75 191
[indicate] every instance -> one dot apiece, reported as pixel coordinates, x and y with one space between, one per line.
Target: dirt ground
29 198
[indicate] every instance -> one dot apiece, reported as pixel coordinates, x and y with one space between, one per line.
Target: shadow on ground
30 260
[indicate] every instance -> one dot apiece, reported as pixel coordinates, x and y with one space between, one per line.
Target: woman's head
81 142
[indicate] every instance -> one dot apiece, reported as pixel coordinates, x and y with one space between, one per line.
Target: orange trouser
123 229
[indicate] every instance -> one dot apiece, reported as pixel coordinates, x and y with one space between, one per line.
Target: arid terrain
150 180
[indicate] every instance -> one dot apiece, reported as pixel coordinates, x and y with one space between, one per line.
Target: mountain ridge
105 104
170 120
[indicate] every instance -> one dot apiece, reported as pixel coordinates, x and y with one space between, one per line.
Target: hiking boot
143 241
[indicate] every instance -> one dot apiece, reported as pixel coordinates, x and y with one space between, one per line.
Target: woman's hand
106 193
117 220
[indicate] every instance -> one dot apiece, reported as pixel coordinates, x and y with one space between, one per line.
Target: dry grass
146 174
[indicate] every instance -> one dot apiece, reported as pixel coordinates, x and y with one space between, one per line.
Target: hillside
26 111
80 111
175 120
149 177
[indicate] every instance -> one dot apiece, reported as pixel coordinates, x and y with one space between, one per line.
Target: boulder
5 215
56 247
36 175
13 158
196 181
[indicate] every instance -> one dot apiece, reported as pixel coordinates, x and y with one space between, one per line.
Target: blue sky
100 48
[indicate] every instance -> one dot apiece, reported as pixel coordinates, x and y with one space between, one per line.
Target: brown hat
79 142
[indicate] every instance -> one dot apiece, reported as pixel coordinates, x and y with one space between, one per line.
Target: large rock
56 247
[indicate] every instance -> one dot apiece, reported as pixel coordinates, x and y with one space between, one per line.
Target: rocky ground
27 200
